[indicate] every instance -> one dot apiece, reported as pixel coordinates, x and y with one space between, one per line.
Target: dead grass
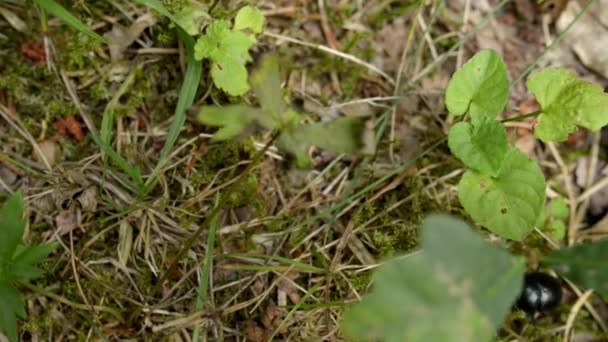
292 247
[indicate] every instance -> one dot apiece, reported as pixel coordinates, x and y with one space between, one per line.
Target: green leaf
60 12
565 103
251 18
32 255
23 273
191 18
585 265
556 229
234 120
342 135
481 146
480 87
11 307
559 208
445 293
229 52
266 84
12 224
509 204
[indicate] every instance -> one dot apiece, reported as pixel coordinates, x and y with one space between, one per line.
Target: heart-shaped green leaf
480 87
566 102
508 204
446 293
584 264
482 146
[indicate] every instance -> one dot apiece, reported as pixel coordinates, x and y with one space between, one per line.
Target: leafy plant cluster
17 264
503 190
459 287
342 135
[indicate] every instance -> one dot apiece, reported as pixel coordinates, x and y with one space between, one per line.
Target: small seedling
503 190
342 135
17 264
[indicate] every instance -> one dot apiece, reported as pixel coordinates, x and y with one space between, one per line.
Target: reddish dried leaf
34 51
69 125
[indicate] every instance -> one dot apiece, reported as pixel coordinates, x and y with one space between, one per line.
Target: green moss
361 282
174 6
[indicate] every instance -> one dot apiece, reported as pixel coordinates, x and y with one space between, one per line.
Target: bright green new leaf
249 18
191 18
566 102
12 225
480 87
556 229
11 307
459 288
559 208
585 265
229 52
508 204
481 146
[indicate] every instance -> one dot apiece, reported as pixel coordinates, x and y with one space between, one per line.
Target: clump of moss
174 6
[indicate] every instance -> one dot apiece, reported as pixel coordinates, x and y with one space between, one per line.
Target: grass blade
60 12
107 121
201 298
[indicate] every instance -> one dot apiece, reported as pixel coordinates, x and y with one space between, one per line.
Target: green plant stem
522 117
211 216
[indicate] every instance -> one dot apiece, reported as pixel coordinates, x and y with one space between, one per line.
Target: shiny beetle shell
541 293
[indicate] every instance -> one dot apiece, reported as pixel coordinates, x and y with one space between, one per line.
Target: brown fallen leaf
121 37
66 221
49 151
255 333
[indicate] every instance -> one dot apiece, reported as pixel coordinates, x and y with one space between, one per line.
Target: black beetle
541 293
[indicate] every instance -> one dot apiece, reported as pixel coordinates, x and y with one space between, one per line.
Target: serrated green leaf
191 18
23 273
481 146
251 18
229 52
445 293
480 87
342 135
11 307
233 120
508 204
12 224
566 102
585 265
32 255
266 84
